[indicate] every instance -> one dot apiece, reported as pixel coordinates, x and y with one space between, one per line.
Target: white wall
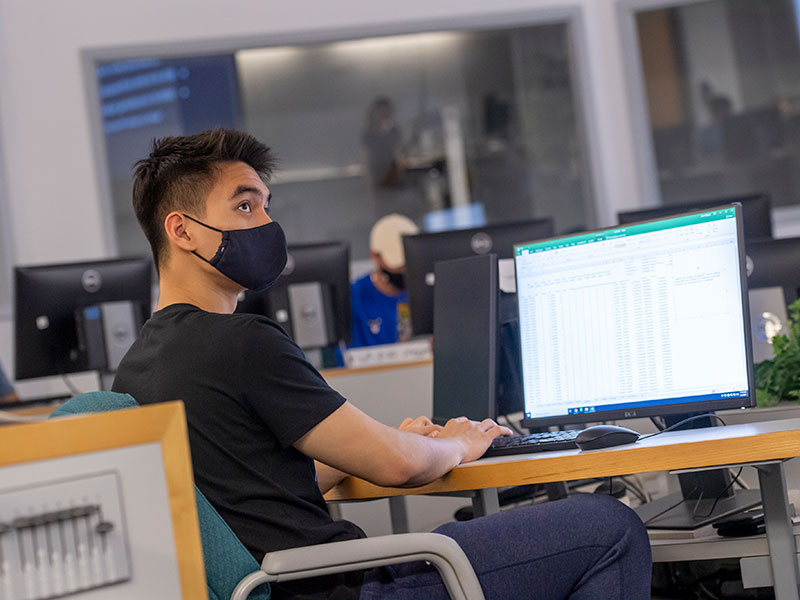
52 187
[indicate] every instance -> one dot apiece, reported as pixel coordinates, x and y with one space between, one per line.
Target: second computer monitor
756 215
78 316
424 250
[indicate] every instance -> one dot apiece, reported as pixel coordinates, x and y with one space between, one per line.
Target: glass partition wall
721 81
453 128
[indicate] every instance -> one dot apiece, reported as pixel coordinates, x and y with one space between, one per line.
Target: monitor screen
311 299
424 250
756 215
643 320
50 300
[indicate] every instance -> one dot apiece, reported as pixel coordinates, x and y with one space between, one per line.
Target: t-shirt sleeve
284 389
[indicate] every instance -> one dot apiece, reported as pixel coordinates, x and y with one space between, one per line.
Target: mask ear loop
206 226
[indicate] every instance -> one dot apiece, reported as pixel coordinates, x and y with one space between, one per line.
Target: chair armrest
324 559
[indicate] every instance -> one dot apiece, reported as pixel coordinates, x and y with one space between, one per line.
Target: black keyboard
533 442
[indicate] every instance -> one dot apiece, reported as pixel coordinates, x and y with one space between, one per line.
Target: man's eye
245 206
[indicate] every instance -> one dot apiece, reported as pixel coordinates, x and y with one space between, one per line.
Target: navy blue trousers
587 547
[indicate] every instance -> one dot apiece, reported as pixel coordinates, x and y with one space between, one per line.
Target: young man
268 436
380 312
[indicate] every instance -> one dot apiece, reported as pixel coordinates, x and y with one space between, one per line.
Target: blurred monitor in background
756 213
424 250
311 299
79 317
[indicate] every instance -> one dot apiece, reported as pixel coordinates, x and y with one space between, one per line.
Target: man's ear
177 232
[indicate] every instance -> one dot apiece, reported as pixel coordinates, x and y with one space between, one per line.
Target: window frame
7 245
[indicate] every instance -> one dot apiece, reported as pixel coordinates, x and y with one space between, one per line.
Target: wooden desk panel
716 446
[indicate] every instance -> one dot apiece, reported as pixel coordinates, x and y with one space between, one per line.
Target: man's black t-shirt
249 394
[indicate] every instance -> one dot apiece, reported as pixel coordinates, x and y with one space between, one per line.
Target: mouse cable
684 422
736 480
720 495
637 488
669 508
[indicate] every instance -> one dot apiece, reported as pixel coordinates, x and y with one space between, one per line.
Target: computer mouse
605 436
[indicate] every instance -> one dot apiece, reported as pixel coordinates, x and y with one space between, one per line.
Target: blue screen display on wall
146 98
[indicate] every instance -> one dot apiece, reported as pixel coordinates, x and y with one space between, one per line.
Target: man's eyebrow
248 189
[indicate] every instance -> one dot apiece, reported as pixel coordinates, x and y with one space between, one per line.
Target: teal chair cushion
226 559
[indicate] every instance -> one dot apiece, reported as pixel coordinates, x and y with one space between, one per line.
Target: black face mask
398 280
254 258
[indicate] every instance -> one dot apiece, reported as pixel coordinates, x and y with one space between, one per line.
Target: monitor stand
694 506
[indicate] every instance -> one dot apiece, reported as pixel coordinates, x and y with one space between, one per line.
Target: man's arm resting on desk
328 477
354 443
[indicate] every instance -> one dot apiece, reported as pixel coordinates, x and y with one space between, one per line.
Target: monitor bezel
704 406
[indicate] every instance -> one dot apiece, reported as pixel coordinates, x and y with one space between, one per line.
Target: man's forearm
327 476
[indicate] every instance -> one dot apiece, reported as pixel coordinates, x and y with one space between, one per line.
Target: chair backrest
226 559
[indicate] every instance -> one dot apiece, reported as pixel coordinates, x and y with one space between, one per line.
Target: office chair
232 572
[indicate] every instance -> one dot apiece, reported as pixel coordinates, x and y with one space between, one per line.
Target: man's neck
176 286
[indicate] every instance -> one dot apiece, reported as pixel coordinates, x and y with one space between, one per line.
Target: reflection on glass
453 129
722 81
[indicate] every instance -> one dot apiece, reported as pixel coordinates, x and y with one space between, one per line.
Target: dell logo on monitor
630 413
481 243
91 280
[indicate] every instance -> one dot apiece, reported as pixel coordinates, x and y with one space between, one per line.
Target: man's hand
354 443
477 437
421 426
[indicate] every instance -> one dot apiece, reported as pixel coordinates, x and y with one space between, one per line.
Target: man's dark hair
179 174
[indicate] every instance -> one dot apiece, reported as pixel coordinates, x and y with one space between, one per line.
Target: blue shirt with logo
374 314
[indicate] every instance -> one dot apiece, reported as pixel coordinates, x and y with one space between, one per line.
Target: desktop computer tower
464 338
476 367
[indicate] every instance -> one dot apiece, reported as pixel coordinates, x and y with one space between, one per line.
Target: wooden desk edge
545 468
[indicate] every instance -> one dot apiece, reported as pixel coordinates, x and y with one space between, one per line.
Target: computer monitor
774 263
645 320
311 299
78 316
423 250
756 214
773 280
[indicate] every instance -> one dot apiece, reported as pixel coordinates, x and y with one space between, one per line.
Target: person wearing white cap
379 301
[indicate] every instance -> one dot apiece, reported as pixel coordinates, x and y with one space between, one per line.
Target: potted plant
778 379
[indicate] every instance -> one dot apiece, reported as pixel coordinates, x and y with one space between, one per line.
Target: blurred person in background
379 301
